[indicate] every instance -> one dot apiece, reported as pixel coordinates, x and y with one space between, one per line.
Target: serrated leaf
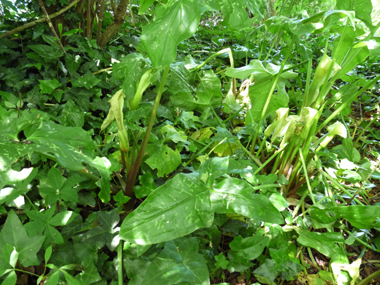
175 209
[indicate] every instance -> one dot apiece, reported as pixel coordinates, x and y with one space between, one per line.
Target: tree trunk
121 13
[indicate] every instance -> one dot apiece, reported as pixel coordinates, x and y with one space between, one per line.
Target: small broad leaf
163 158
48 86
325 243
15 234
88 81
175 209
181 261
251 247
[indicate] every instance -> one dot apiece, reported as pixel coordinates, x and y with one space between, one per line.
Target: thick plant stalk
306 176
366 128
100 22
120 262
131 178
89 20
31 24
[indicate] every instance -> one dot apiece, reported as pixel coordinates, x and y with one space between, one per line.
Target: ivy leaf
48 86
15 234
180 260
48 53
88 81
120 199
56 187
221 261
249 248
163 158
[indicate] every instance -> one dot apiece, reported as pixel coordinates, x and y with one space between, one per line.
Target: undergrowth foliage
183 153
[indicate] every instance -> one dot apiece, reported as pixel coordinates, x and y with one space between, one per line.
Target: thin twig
50 24
31 24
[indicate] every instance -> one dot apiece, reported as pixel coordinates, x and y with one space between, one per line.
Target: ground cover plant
189 142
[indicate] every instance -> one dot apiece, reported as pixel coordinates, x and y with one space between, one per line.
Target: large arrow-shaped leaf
173 210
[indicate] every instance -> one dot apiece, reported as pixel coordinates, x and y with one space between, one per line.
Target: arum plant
116 113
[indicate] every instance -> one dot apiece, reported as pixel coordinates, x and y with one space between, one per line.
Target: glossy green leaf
171 133
236 18
324 243
175 209
249 248
233 195
213 168
48 86
174 22
361 217
15 234
48 53
11 279
21 182
363 9
144 5
180 260
88 81
56 187
163 158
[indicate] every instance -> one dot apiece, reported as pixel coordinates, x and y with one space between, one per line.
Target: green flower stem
234 114
370 278
312 258
217 117
337 184
299 204
362 242
306 176
211 57
263 112
329 192
365 129
120 262
261 146
271 47
291 151
222 141
198 153
344 105
270 159
361 186
254 158
131 178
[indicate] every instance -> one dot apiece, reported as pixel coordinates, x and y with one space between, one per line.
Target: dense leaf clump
189 142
